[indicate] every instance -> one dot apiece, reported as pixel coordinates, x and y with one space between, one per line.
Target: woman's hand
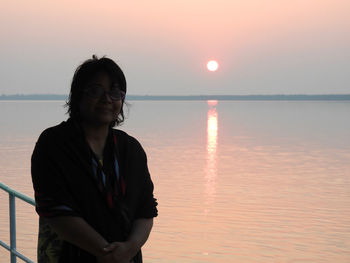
117 252
123 252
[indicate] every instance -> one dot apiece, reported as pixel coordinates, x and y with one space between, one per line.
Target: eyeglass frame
104 92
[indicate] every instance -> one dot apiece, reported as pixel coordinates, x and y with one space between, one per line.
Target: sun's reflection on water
211 167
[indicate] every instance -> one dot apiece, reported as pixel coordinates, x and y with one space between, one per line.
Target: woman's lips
104 109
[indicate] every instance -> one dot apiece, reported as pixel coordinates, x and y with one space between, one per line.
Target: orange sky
174 39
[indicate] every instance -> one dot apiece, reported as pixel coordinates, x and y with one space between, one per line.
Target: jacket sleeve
53 195
147 204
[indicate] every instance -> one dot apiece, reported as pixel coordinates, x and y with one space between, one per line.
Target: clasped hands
117 252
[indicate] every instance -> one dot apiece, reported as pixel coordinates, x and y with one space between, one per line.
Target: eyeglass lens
97 92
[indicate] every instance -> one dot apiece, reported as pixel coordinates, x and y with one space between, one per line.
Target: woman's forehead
104 78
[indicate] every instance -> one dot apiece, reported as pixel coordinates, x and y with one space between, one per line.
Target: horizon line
190 95
260 97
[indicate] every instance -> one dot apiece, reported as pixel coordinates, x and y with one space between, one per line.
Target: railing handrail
12 211
17 194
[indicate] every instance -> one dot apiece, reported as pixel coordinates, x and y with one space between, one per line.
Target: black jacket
65 184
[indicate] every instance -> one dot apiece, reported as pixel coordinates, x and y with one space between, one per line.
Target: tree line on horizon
191 97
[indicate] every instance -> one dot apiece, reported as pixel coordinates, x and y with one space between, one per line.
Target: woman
93 191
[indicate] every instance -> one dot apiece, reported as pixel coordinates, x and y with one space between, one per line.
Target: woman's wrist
100 250
133 246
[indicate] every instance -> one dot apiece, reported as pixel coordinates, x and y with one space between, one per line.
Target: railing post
12 227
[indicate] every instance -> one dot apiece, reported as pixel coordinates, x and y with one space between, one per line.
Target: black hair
84 73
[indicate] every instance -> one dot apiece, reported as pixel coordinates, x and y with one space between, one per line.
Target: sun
212 65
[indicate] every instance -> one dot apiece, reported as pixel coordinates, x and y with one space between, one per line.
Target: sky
262 46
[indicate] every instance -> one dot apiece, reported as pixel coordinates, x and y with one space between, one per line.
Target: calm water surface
236 181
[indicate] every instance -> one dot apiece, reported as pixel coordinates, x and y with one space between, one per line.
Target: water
236 181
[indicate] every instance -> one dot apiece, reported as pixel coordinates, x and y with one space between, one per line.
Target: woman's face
97 108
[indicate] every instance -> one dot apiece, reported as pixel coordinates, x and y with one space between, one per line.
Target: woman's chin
105 121
101 121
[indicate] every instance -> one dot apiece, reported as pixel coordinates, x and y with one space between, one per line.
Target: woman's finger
110 247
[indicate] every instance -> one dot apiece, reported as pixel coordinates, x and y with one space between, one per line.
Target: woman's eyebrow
115 86
95 84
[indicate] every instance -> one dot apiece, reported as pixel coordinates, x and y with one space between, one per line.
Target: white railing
12 211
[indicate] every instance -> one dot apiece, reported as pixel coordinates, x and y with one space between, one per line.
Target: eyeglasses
98 92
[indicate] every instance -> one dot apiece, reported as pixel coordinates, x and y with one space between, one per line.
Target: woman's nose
106 96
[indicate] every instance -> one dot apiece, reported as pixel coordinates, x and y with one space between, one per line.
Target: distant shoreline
301 97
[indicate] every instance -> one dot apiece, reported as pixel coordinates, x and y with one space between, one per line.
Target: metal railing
12 206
